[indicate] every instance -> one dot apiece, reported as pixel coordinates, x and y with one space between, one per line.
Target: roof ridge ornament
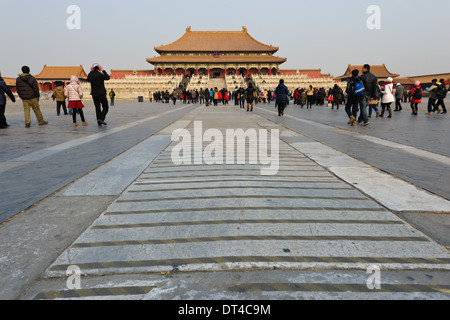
188 29
244 29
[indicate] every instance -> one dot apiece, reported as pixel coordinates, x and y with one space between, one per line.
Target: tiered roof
222 41
379 71
61 73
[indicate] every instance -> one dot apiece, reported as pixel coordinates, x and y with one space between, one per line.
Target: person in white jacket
388 97
74 92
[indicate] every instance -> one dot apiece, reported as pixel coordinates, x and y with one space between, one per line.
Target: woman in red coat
416 97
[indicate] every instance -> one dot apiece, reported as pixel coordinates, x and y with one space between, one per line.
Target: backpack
358 89
441 91
417 95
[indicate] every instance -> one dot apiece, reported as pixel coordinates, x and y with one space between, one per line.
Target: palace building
216 54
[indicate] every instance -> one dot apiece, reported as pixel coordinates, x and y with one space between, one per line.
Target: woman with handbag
74 92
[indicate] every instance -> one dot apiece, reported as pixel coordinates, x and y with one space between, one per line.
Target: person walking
173 96
388 97
215 97
369 82
373 102
432 107
4 89
60 99
441 95
97 78
150 96
309 97
251 96
416 98
336 93
28 91
355 91
282 95
74 92
112 96
399 93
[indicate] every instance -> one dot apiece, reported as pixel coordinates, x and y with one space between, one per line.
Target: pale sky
325 34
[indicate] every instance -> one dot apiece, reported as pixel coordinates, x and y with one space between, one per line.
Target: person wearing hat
4 89
416 97
388 97
399 93
97 78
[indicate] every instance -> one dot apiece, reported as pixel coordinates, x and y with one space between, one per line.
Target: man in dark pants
97 78
353 102
4 89
441 95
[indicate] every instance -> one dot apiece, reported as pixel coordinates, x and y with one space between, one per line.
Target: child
74 92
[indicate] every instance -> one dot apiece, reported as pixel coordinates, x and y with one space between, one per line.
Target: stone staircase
218 83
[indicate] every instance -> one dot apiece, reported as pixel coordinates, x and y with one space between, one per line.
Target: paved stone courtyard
111 201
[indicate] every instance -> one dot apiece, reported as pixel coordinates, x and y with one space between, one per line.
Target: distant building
216 54
379 71
11 83
50 76
425 80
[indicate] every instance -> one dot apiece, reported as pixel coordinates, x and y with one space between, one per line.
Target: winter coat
351 85
399 92
250 94
387 92
73 90
370 82
412 94
27 87
59 94
4 89
282 92
97 80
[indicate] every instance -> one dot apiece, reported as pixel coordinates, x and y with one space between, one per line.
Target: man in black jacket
28 90
4 89
97 78
370 83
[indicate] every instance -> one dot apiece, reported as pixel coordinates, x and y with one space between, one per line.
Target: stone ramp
200 218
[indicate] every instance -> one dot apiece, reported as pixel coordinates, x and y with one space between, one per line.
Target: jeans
363 108
440 103
372 107
281 107
352 106
60 104
101 107
432 105
112 101
398 105
309 102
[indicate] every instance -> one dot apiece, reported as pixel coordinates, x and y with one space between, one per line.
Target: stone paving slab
116 243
